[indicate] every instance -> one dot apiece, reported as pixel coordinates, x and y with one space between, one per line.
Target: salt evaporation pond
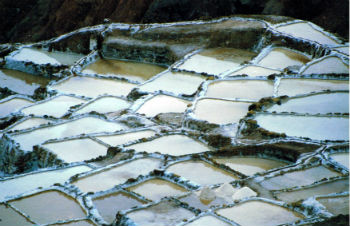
306 31
13 105
80 126
242 89
216 61
318 128
230 111
124 141
93 87
20 82
213 174
107 179
320 103
280 58
174 82
126 69
293 87
156 189
260 214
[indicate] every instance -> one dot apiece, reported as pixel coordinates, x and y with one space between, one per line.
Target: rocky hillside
34 20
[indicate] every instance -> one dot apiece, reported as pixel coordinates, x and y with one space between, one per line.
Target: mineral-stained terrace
236 121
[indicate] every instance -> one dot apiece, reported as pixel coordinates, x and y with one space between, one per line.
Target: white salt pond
250 165
280 58
93 87
320 103
163 104
306 31
29 123
135 71
243 89
342 158
80 126
119 174
13 105
208 220
104 105
327 65
56 107
336 205
174 82
293 87
216 61
298 178
314 127
20 82
156 189
76 150
164 213
259 214
337 186
29 182
175 145
220 111
62 207
213 175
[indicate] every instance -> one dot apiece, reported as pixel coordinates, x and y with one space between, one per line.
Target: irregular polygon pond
336 205
250 165
13 105
119 139
162 104
292 87
213 175
80 126
55 107
259 214
342 158
171 145
208 220
255 71
76 150
216 61
194 200
280 58
104 105
327 65
8 216
220 111
337 186
61 207
109 205
119 174
320 103
20 82
244 89
174 82
298 178
93 87
164 213
155 189
33 55
66 58
29 182
318 128
306 31
29 123
136 71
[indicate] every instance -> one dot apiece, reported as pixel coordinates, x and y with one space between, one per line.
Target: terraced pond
176 124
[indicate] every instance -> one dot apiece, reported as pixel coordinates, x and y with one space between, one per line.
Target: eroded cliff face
34 20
